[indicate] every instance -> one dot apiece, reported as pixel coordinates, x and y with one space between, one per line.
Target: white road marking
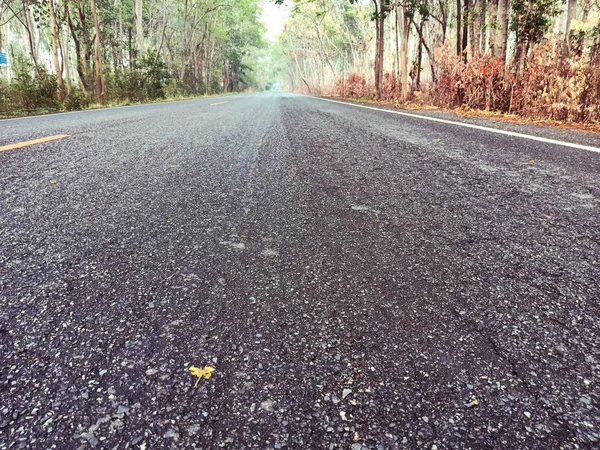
468 125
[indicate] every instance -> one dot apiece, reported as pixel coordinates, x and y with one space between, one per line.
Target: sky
274 17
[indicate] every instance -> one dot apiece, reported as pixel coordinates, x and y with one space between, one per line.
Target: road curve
356 278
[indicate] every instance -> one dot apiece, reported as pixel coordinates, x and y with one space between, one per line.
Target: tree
381 10
459 47
531 19
100 94
405 34
571 14
501 43
55 51
379 15
138 27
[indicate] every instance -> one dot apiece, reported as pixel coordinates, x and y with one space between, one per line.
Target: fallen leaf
52 181
205 372
532 161
208 372
474 402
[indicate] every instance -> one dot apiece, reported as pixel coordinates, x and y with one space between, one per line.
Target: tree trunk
119 37
585 10
430 54
466 24
459 38
98 55
67 64
481 28
382 13
139 31
132 51
474 27
82 42
65 55
31 38
571 14
524 38
55 46
493 23
376 60
379 42
419 56
397 32
34 33
405 22
503 16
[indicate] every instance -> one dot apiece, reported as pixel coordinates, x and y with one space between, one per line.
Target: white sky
274 17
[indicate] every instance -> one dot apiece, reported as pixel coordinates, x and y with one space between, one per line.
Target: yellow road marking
35 141
219 103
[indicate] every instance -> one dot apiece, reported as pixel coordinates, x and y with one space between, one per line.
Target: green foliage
198 44
148 81
29 90
155 76
76 100
532 19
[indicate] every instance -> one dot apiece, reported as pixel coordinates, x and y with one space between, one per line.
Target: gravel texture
358 280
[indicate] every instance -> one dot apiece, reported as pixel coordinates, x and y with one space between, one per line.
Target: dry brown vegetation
516 57
550 87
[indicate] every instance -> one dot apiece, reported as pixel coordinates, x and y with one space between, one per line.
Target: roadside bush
155 76
76 100
560 88
149 81
551 85
29 90
353 85
478 84
390 88
5 98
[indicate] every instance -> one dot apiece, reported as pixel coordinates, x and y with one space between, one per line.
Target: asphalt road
356 278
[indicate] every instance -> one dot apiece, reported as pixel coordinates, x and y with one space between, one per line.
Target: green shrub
30 89
155 76
76 100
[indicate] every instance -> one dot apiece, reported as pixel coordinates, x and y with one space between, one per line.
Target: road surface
358 279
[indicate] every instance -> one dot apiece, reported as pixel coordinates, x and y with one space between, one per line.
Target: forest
534 58
70 54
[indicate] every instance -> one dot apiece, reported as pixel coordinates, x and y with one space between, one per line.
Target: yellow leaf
206 372
197 371
532 161
52 181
